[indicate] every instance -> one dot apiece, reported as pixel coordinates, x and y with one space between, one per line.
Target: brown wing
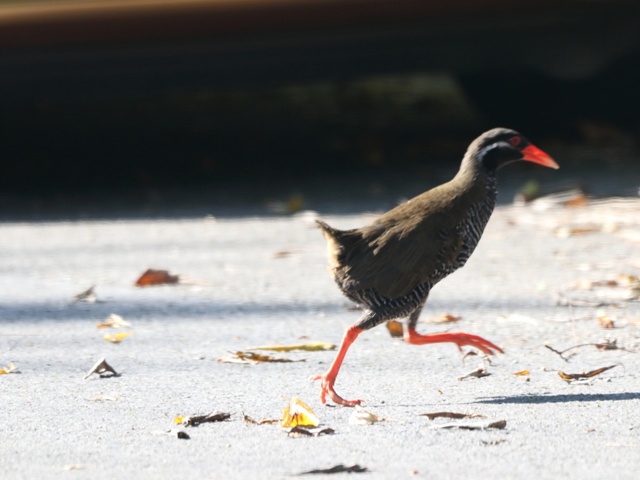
405 247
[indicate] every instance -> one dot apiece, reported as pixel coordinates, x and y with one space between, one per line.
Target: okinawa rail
391 265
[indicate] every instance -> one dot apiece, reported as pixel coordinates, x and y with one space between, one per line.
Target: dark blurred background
105 98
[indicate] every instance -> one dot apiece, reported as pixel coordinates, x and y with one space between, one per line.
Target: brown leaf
523 372
307 347
299 432
195 420
283 253
156 277
479 373
578 376
457 416
101 367
395 329
337 469
605 321
444 318
325 431
253 358
264 421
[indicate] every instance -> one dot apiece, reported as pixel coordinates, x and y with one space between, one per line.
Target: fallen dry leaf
308 347
101 367
195 420
283 253
114 321
497 441
444 318
264 421
522 373
116 338
73 467
183 435
457 416
10 369
156 277
253 358
579 376
337 469
179 419
500 424
88 296
395 329
605 321
566 232
301 432
298 414
360 416
479 373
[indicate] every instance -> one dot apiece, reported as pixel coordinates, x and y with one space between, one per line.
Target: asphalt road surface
251 279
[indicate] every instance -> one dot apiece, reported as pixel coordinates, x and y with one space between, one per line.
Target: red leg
459 338
329 378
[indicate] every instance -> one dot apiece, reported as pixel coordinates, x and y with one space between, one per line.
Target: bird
390 266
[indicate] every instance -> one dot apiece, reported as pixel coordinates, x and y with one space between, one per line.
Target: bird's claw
327 389
461 339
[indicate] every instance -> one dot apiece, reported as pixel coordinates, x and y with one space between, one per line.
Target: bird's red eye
515 141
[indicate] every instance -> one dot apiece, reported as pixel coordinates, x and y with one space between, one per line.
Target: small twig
603 346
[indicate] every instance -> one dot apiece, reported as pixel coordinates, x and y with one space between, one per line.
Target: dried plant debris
10 369
182 435
499 425
284 253
522 373
395 329
116 338
360 416
264 421
114 321
67 468
307 347
252 358
606 344
195 420
479 373
444 318
337 469
101 367
456 416
569 377
302 432
299 432
88 296
605 321
497 441
156 277
298 414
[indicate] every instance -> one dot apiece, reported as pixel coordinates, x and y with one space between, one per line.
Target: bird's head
500 146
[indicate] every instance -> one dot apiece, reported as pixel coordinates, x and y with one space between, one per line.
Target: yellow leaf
116 338
395 328
10 369
309 347
178 420
297 414
523 372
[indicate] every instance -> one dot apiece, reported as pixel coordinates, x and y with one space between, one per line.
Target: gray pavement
242 294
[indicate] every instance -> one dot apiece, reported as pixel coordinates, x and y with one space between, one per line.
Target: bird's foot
327 389
459 338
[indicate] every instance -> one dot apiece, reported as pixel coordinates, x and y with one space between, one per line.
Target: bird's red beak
535 155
